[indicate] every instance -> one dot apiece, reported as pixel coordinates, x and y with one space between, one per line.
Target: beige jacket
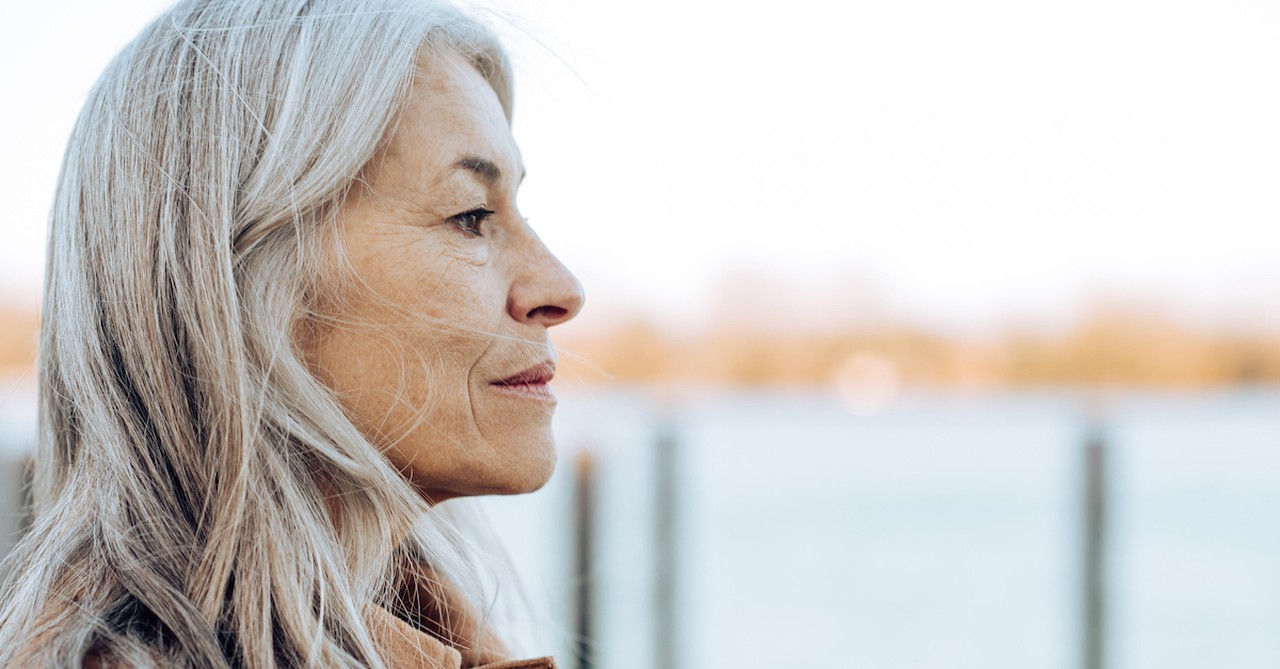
404 646
445 634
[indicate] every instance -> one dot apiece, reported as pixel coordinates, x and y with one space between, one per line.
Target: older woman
290 306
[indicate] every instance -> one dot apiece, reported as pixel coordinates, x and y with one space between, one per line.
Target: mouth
529 384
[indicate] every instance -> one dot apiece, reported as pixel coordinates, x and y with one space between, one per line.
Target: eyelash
469 221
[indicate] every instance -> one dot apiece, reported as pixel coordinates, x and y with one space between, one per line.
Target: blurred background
918 334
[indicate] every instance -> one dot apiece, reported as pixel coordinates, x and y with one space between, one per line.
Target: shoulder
536 663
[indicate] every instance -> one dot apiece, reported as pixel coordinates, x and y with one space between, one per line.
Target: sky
961 165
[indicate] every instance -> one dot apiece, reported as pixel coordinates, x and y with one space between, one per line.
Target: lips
529 384
539 374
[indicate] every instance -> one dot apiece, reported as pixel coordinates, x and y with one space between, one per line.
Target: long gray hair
200 498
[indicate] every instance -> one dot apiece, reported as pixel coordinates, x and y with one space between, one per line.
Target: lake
942 532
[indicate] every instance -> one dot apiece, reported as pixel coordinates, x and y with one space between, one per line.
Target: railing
673 491
666 576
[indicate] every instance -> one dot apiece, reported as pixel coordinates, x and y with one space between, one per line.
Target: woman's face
439 350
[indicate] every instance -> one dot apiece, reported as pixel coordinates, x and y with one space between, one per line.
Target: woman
290 306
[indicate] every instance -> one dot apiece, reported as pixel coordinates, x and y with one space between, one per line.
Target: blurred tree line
19 335
1109 347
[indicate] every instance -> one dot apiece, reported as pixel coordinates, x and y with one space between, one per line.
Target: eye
469 221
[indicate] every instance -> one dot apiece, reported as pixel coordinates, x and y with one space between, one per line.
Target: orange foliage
1112 347
19 334
1121 347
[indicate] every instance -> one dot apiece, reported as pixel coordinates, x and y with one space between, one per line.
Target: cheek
431 301
418 286
399 344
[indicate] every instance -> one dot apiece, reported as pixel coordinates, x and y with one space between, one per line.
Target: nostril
548 313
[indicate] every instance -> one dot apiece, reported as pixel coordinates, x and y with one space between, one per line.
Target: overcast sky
956 163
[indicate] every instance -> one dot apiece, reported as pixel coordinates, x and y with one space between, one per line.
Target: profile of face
439 348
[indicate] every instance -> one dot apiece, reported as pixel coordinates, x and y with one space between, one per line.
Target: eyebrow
484 168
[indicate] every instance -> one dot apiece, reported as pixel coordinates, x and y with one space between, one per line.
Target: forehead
451 112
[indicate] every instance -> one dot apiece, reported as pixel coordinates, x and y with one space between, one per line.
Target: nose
544 291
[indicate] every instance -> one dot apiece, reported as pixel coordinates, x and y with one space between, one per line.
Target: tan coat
454 639
446 633
404 646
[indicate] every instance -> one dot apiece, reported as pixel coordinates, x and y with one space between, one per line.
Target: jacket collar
438 630
404 646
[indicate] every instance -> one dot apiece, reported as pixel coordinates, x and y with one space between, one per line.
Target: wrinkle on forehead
451 112
415 181
450 85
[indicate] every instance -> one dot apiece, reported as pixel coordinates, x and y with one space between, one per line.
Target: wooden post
584 567
1094 572
666 549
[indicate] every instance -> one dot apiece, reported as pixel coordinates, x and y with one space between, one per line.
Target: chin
533 473
528 468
